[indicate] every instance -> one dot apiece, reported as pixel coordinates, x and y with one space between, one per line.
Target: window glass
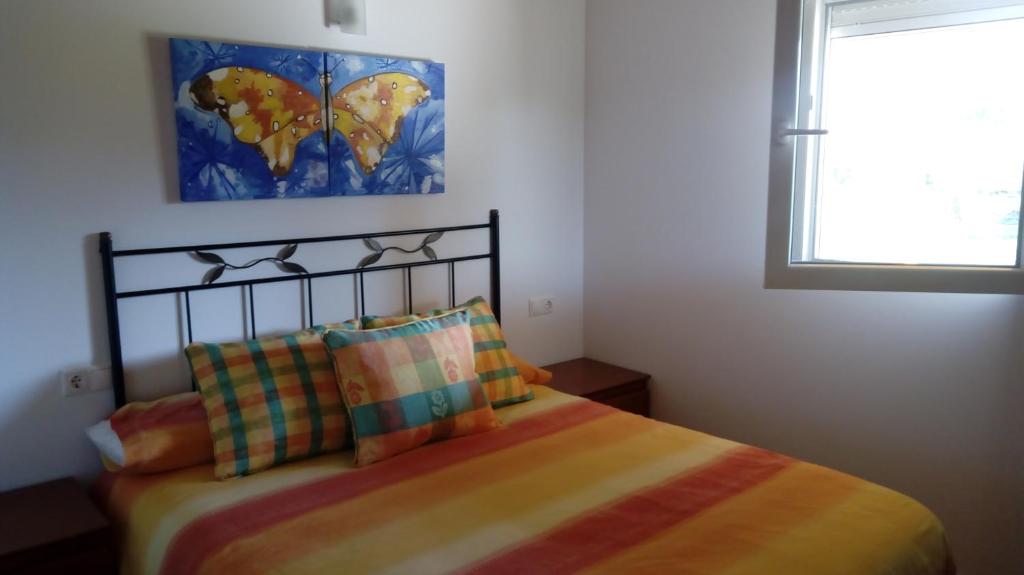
924 160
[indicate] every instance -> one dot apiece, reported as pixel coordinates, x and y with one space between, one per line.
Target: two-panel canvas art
256 122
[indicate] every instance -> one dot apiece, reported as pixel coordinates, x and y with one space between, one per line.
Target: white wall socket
542 305
80 380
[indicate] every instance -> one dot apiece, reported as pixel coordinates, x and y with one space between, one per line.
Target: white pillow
107 441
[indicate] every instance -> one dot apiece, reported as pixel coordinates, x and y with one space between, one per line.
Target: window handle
784 132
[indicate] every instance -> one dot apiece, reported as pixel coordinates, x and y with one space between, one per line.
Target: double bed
564 485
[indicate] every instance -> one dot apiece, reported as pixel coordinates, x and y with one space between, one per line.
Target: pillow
268 400
407 385
153 436
530 373
351 325
494 365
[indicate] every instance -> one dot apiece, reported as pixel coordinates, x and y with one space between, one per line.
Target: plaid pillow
268 400
351 325
407 385
494 363
530 373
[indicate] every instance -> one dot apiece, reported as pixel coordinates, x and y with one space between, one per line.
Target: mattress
565 485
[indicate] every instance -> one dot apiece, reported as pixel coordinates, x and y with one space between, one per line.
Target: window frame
781 272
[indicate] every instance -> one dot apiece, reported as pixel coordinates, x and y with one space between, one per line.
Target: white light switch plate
542 305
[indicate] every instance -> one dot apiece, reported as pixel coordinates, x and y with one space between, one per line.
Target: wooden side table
604 383
54 528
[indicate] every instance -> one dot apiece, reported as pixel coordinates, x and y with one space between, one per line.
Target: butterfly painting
256 122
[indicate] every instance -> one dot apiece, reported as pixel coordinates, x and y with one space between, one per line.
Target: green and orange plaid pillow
269 400
494 364
408 385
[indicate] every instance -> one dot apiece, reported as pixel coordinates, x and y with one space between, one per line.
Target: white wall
87 144
919 392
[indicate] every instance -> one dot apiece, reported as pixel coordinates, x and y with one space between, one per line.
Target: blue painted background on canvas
215 164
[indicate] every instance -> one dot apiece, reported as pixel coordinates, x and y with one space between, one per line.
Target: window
897 154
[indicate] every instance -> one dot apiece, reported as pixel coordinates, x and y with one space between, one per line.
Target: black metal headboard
207 253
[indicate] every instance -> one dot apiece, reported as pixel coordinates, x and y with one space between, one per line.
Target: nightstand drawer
638 402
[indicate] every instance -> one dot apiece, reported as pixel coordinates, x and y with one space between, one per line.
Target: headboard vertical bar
309 299
113 325
451 284
188 316
408 289
362 297
495 267
252 314
188 325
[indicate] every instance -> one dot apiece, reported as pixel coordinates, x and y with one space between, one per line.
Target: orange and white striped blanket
566 485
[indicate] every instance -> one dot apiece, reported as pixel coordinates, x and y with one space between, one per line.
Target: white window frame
782 270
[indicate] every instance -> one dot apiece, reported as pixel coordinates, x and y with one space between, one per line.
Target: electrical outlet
542 305
73 381
84 379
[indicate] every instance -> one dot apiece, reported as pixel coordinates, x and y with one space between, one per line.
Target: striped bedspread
566 485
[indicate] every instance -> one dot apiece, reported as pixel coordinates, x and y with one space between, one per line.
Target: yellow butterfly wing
369 113
265 110
366 144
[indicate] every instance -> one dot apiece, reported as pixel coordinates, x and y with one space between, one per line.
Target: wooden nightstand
604 383
54 528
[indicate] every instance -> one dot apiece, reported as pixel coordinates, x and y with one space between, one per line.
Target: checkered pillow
269 400
494 365
407 385
351 325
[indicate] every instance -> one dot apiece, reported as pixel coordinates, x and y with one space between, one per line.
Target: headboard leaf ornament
379 250
212 274
370 259
209 257
220 264
287 251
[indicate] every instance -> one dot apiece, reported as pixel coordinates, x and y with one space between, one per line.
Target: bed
564 485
